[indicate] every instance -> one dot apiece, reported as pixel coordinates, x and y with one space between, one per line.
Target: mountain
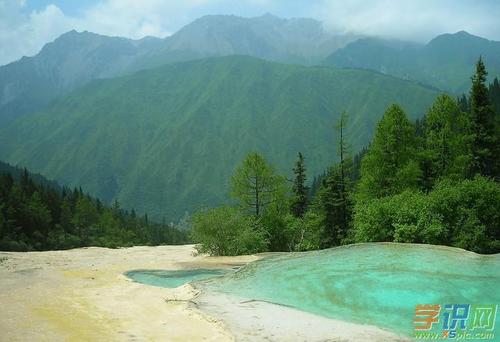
166 140
297 40
69 62
446 62
74 59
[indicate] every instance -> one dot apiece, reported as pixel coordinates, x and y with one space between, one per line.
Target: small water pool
173 278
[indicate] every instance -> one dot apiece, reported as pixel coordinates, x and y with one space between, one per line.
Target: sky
26 25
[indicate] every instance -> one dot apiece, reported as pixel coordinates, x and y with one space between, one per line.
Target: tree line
36 214
433 181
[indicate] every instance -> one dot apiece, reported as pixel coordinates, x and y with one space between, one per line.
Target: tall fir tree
485 140
334 200
316 184
494 94
390 165
335 209
345 167
299 189
447 140
356 165
464 103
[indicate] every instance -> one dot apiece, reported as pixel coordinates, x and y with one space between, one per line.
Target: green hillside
166 140
76 58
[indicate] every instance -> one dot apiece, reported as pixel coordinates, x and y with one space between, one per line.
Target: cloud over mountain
26 25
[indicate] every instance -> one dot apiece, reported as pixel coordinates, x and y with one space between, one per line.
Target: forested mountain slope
166 140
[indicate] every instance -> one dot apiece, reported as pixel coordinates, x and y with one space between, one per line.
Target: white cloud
127 18
418 20
24 33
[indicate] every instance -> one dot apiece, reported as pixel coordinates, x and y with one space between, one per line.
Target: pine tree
494 94
116 208
255 184
356 165
27 185
85 218
485 144
420 127
38 215
334 206
390 165
6 183
447 141
334 199
98 205
66 217
345 169
316 184
3 221
300 190
463 103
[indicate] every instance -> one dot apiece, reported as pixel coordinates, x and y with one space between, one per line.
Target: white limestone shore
82 295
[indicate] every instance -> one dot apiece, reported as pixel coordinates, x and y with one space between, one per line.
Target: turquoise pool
378 284
175 278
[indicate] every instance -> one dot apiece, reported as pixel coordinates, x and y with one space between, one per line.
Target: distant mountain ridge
74 59
166 140
296 40
446 62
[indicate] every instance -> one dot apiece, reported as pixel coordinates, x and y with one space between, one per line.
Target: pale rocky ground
82 295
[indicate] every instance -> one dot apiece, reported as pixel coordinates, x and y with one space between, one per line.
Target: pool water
174 278
378 284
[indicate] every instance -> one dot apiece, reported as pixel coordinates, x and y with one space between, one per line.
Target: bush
311 231
373 222
471 211
14 246
464 214
226 231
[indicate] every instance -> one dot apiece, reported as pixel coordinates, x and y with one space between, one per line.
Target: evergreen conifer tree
390 165
299 201
447 141
485 140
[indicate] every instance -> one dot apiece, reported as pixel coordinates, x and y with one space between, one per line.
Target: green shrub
226 231
15 246
311 230
464 214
